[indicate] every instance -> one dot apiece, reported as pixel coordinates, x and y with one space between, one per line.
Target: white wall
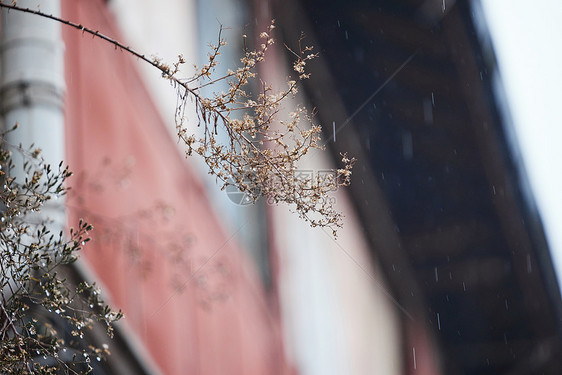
163 29
336 309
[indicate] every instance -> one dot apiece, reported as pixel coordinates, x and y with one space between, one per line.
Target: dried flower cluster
262 153
33 289
260 156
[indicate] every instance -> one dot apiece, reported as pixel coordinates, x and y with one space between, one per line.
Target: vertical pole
32 86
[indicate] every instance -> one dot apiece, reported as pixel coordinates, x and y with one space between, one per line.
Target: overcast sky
527 37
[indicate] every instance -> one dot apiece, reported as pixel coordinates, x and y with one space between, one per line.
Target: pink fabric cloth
187 289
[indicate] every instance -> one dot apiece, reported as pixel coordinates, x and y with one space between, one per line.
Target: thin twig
165 70
251 161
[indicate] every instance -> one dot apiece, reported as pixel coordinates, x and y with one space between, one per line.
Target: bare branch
263 152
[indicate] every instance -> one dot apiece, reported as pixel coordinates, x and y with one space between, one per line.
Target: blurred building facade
441 267
207 286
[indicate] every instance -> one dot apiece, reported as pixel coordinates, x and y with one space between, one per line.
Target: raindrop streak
382 86
414 352
463 286
443 6
529 268
346 35
436 275
334 130
438 322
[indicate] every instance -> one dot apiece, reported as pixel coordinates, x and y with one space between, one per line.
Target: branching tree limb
32 284
262 153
